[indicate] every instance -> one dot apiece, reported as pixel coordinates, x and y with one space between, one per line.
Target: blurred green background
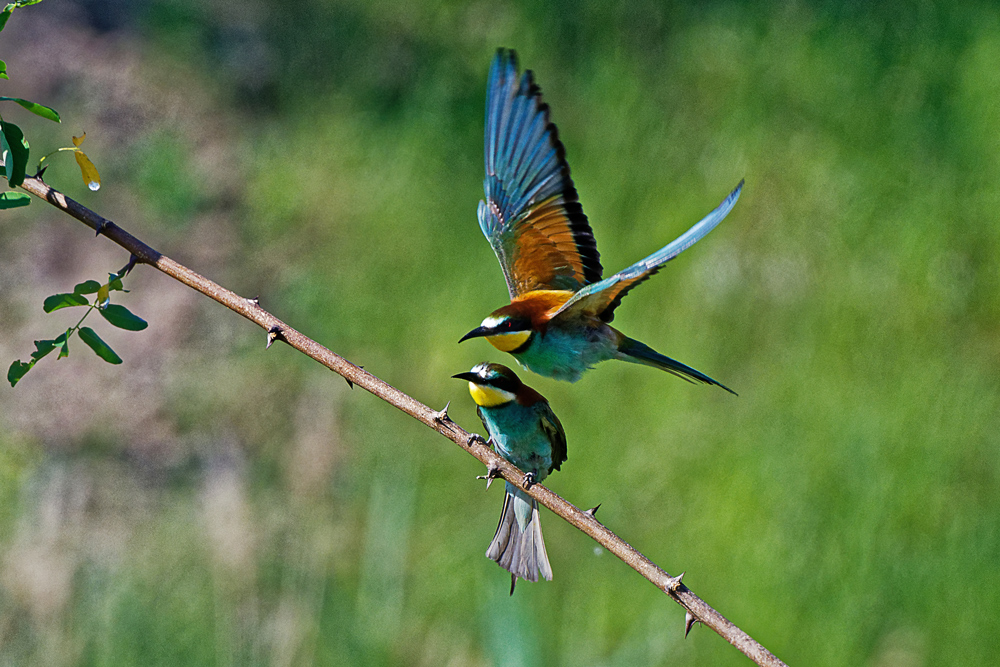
211 503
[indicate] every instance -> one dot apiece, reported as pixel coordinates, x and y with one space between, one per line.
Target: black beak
469 375
475 333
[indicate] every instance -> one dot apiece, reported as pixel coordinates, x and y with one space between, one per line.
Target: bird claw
492 472
529 480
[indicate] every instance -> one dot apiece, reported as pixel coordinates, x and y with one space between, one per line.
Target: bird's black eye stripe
511 325
504 383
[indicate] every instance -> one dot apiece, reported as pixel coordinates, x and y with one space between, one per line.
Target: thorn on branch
255 300
442 415
492 472
273 334
593 511
101 225
41 171
689 621
125 270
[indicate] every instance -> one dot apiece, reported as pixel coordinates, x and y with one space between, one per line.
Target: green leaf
90 337
122 317
18 370
14 199
35 108
3 70
16 148
43 347
115 283
87 287
57 301
62 342
5 14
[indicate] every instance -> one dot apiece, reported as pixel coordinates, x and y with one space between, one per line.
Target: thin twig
437 420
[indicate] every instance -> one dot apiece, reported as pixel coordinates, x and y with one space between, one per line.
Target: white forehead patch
491 321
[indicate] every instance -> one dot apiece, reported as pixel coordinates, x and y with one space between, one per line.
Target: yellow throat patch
487 397
506 342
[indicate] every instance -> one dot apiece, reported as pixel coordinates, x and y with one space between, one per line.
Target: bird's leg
529 480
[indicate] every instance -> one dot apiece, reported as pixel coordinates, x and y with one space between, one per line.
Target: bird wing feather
601 298
554 430
531 215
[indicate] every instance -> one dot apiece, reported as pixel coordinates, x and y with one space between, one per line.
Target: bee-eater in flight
557 321
525 431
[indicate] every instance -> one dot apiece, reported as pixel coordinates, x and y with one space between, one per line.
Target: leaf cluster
14 147
115 314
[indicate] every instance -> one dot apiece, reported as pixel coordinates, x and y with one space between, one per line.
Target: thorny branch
697 609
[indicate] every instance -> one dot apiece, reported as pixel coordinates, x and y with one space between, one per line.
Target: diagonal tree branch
697 609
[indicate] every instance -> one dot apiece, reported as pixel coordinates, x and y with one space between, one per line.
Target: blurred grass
207 503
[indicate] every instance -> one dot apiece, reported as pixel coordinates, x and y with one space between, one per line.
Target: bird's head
505 331
491 384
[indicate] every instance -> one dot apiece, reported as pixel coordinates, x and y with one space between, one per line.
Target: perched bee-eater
525 431
557 322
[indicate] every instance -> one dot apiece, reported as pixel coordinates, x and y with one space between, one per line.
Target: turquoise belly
564 354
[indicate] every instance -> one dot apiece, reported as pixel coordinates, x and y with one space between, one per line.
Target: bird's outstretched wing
531 215
601 298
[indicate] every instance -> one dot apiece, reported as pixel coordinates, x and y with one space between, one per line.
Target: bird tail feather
518 546
639 353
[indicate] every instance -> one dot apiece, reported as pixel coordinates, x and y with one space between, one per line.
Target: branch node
492 472
273 334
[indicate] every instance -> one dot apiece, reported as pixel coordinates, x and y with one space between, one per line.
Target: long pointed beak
469 375
475 333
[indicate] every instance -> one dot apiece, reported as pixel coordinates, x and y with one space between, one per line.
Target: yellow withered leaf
103 296
79 140
89 171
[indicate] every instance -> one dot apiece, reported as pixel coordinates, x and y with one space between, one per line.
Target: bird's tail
518 546
632 350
